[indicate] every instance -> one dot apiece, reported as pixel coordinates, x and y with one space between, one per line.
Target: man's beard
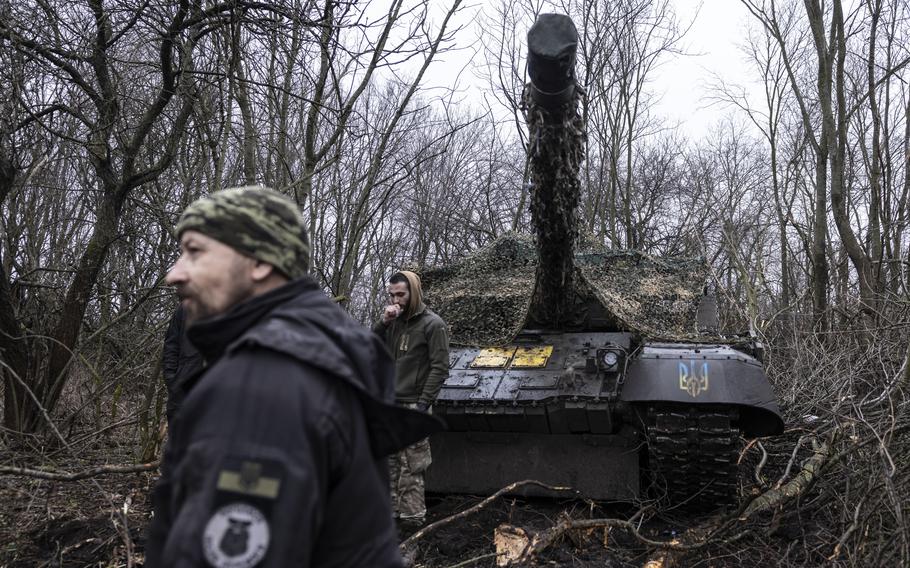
194 310
198 305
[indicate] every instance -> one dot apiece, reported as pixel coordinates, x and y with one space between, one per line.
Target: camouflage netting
556 150
655 297
489 297
485 298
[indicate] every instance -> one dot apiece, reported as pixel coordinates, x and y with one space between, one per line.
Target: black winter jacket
179 361
277 457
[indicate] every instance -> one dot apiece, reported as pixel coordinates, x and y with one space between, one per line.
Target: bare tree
781 25
129 133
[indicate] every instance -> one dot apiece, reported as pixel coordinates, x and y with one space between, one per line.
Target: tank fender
705 374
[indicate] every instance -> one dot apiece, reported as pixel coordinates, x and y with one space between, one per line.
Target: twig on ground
761 464
850 530
793 455
474 560
79 544
63 476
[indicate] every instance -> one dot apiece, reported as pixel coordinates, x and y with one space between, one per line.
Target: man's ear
261 271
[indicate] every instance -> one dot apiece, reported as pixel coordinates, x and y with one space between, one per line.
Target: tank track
692 454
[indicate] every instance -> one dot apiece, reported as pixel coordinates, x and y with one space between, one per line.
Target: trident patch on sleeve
237 533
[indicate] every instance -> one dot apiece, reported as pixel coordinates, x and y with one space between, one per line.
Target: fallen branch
412 540
63 476
474 560
543 540
694 538
811 469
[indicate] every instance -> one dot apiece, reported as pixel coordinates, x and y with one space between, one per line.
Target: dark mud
76 524
101 522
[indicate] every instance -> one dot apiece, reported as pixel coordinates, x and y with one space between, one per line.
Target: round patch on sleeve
236 536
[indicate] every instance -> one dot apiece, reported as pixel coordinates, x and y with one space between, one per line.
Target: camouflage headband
256 221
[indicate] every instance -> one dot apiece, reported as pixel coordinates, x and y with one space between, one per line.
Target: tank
582 367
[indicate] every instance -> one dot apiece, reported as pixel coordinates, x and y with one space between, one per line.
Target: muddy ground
75 524
101 522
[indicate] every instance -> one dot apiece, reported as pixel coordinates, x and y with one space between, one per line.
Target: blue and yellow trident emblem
693 378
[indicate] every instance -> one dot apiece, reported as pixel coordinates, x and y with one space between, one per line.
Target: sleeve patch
236 536
251 479
237 532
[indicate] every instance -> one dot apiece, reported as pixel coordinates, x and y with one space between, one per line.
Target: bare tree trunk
874 234
836 130
820 220
819 273
241 89
12 344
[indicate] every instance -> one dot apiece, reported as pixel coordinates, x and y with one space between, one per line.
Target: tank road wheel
692 454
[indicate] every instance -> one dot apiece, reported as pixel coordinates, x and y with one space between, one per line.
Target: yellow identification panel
532 357
493 357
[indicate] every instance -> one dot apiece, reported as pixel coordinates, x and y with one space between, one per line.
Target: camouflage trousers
406 469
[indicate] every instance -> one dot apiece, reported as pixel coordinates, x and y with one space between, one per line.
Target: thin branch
85 474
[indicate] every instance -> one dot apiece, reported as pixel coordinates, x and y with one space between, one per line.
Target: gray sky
681 81
713 42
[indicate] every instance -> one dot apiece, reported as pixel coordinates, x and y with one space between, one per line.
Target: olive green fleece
419 344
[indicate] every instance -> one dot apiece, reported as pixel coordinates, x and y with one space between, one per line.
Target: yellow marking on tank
532 357
493 357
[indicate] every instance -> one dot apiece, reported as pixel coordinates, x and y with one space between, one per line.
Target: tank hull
601 414
599 466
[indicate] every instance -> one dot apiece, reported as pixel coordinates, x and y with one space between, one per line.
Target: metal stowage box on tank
576 366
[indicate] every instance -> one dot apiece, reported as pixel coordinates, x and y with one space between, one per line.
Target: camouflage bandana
256 221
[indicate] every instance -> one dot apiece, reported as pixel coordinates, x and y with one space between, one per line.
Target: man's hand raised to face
392 311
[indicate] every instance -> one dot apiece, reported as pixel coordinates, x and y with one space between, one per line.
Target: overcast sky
682 81
719 27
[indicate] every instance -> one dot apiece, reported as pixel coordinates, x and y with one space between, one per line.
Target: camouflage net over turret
485 298
654 297
516 282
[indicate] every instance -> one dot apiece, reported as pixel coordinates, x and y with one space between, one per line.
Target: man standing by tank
277 457
419 344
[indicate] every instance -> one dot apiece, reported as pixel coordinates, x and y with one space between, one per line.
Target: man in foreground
277 456
418 341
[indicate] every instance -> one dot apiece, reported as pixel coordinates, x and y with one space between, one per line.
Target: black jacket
179 361
277 457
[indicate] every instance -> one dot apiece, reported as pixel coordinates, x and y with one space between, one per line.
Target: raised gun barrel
555 151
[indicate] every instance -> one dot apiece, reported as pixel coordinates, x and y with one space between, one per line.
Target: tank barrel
555 151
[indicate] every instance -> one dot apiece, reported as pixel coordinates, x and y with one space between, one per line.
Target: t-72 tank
578 366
